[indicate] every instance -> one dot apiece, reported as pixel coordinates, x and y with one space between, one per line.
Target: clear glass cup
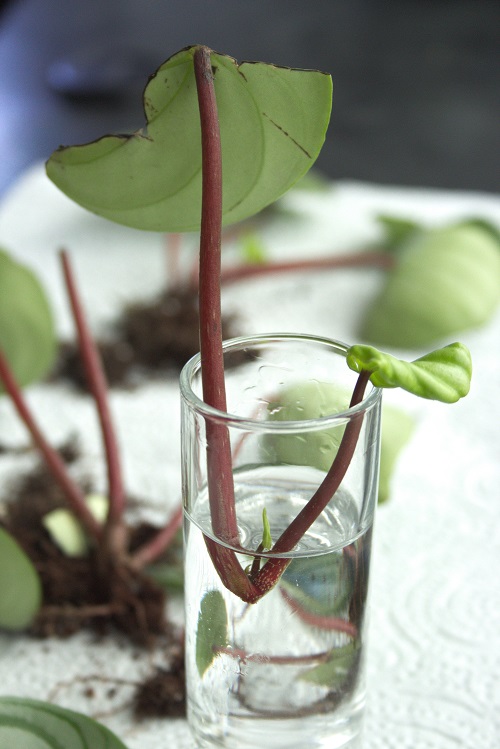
283 669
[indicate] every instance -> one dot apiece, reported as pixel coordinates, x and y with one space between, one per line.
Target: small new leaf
253 249
267 540
33 724
443 375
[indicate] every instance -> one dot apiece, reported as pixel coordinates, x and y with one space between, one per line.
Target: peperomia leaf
312 400
27 335
397 230
273 123
307 400
33 724
446 280
307 582
337 669
442 375
484 225
211 632
20 587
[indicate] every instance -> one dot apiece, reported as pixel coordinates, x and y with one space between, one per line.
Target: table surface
434 645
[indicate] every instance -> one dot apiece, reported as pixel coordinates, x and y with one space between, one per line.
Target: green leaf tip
273 123
443 375
267 540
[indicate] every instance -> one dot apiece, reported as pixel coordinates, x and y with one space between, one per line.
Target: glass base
313 732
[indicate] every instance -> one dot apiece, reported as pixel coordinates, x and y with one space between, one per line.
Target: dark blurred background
416 82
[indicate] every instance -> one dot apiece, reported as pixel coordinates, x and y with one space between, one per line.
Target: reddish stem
54 462
220 482
173 244
270 573
331 623
280 660
366 258
219 461
151 550
212 362
98 387
369 258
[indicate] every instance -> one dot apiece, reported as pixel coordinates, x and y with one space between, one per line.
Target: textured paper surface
434 650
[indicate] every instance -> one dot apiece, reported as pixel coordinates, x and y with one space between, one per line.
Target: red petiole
219 460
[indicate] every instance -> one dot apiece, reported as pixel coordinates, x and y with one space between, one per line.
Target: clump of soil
148 338
80 592
163 694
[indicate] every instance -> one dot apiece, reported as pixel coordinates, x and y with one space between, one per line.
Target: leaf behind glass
211 632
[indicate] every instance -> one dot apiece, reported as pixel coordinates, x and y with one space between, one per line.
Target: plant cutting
274 636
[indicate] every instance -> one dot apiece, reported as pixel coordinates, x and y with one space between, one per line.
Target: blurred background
416 82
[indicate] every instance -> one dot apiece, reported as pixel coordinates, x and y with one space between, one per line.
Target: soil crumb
163 694
148 338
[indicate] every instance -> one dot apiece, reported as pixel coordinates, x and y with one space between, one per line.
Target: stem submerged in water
219 459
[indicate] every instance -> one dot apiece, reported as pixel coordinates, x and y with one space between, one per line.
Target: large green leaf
27 335
273 123
442 375
32 724
446 280
20 588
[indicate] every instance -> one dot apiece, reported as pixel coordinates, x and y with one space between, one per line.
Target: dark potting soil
163 695
151 338
82 593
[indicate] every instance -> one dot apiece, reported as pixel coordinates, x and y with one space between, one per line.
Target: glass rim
193 367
